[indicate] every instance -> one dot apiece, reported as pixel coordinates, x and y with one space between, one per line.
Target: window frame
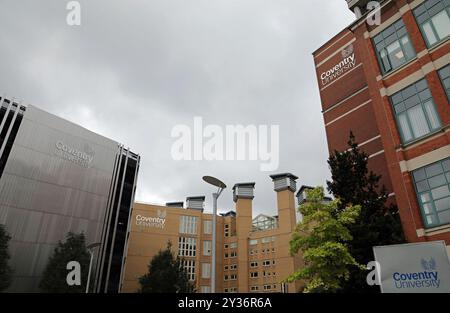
421 103
429 20
429 192
440 72
399 40
206 270
207 248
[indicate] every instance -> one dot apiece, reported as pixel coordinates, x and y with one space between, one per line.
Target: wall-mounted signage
158 221
414 268
348 62
81 157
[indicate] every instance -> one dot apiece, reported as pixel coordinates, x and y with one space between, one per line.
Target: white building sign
158 221
81 157
414 268
347 63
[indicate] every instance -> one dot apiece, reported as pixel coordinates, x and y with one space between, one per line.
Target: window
207 247
227 230
267 287
206 270
254 288
233 254
225 268
445 78
415 112
207 227
233 277
230 290
393 47
253 264
188 225
225 246
233 245
266 240
266 263
253 252
433 17
226 255
253 274
433 192
264 222
189 265
187 246
253 242
205 289
233 267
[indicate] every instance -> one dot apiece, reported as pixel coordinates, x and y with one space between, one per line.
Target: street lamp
221 186
90 248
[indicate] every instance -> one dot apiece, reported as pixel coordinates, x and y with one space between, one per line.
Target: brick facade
359 100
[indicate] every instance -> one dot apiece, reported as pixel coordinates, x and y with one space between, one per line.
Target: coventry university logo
348 51
429 265
162 214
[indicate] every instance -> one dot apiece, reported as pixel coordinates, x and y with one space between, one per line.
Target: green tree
378 224
55 274
321 236
5 269
166 274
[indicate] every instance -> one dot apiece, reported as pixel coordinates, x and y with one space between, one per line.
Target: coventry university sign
414 268
159 221
81 157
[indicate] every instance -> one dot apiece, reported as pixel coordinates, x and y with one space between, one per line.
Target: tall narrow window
188 225
207 227
189 266
206 270
207 247
415 111
445 78
433 192
433 17
187 247
393 47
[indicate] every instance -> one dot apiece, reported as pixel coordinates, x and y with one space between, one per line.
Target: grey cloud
135 69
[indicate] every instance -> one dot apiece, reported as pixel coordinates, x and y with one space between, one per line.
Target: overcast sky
135 69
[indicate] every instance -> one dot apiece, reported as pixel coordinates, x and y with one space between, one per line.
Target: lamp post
220 187
90 248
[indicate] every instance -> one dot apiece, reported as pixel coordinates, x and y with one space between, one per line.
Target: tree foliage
321 236
378 224
166 274
5 269
55 273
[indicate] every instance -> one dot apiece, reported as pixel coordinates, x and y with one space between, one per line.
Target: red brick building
390 84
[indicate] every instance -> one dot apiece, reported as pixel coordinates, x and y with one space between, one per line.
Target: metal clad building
56 177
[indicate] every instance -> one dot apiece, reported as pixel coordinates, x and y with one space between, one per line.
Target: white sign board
414 268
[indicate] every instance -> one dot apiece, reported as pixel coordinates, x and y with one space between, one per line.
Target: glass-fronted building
57 177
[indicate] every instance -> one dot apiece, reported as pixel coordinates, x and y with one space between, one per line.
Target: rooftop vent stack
195 203
243 191
175 204
302 194
284 181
